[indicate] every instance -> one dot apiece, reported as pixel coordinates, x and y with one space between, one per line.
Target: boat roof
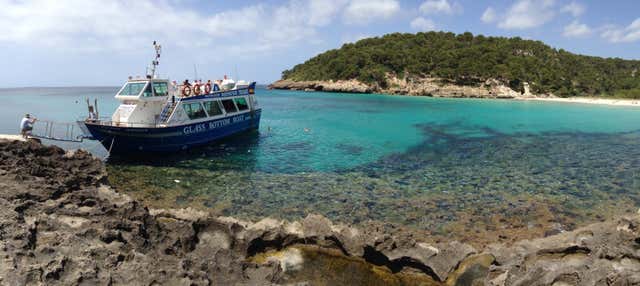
146 79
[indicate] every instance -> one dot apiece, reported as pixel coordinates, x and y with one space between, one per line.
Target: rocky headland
426 86
445 64
62 224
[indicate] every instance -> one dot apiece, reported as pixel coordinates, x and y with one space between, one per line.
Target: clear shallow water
453 167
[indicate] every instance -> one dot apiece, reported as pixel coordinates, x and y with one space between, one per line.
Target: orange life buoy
207 88
196 89
186 90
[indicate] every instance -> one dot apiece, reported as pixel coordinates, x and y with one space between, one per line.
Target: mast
195 72
156 61
235 70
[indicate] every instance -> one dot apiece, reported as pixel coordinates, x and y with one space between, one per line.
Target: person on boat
196 88
92 114
26 125
208 87
186 88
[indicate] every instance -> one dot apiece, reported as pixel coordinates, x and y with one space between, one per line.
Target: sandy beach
588 100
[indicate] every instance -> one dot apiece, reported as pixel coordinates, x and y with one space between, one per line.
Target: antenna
235 71
155 62
195 72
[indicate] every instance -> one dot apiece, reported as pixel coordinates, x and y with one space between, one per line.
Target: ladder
167 110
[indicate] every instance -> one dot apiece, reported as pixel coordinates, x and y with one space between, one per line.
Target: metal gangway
59 131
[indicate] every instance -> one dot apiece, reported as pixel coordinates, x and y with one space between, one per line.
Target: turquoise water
448 166
62 104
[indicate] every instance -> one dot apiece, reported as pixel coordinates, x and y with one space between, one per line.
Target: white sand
589 100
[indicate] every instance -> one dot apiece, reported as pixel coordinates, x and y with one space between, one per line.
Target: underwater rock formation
61 224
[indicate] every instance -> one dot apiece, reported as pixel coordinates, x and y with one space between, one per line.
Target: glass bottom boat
156 115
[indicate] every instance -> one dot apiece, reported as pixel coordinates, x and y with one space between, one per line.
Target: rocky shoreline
63 225
427 86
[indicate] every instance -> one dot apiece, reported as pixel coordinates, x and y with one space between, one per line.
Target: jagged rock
604 252
472 271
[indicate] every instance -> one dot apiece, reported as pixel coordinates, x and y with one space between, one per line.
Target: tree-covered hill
468 60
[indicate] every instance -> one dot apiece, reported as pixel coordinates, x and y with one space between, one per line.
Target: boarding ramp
59 131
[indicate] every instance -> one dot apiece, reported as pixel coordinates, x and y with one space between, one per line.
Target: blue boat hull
122 140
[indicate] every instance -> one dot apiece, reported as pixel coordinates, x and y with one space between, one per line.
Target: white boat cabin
158 103
141 102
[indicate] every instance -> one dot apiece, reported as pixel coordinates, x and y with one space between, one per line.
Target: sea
477 170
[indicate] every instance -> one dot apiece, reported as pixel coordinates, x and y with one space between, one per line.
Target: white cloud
422 24
92 25
323 11
526 14
440 7
576 30
574 8
627 34
489 15
365 11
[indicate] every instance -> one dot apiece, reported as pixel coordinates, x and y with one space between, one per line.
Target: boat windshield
160 89
132 88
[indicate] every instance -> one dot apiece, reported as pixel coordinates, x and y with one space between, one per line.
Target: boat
158 115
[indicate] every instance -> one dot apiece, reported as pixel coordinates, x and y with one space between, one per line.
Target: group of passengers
197 88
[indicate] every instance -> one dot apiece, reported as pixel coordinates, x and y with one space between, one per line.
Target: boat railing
109 122
58 131
177 90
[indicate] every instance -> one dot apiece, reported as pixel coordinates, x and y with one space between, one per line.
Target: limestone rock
420 86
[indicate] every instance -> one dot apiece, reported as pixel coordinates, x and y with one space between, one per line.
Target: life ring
196 89
186 90
207 88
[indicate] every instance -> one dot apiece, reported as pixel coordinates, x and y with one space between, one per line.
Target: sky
101 43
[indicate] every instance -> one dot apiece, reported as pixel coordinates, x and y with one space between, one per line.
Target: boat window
241 103
147 92
194 110
160 88
229 107
132 88
212 107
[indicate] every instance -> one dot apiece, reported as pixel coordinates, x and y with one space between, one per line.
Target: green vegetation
469 60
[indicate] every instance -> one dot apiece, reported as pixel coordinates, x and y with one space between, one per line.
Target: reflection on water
232 153
468 187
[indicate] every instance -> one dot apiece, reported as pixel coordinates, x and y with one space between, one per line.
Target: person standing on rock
26 125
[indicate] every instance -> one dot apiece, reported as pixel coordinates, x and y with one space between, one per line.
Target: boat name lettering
229 93
198 128
195 129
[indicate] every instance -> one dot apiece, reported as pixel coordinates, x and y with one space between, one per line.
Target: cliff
63 225
434 87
